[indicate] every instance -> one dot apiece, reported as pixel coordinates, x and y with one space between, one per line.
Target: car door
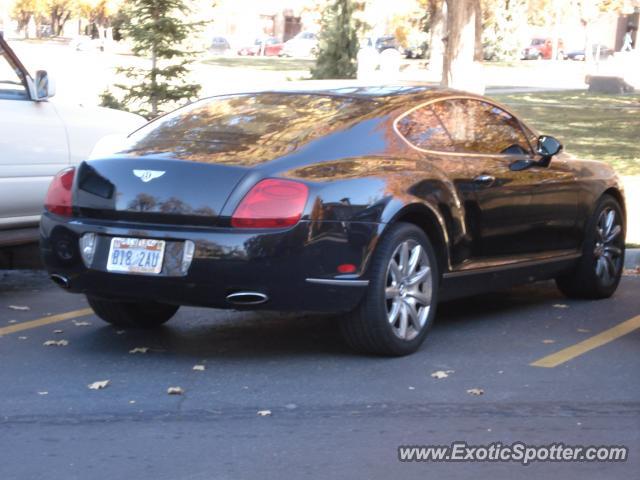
33 146
517 211
498 210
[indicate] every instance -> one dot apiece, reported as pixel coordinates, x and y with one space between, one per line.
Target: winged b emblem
148 175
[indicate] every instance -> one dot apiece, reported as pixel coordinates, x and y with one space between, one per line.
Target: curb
632 258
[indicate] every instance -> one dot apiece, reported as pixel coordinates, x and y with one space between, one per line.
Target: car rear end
194 228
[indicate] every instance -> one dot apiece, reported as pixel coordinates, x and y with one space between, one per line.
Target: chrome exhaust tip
60 280
247 298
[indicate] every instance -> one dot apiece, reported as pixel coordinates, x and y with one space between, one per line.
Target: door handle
484 179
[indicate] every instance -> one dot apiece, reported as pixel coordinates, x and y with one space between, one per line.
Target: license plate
135 255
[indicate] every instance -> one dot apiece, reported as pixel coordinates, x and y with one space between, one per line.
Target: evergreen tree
159 30
338 41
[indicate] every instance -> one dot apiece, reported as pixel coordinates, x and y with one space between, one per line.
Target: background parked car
541 48
302 45
599 51
269 47
37 139
219 46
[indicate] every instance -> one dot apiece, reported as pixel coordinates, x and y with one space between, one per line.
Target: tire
598 272
376 326
132 314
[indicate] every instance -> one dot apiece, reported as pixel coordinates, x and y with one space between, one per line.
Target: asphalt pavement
550 370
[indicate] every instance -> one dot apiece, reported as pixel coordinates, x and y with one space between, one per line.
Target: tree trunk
478 54
458 70
437 34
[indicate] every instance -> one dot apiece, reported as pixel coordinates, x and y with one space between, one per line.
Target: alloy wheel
408 289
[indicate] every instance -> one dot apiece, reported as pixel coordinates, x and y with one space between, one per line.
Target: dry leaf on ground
264 413
99 385
199 368
475 391
548 340
56 343
583 330
21 308
560 305
81 324
175 391
139 350
441 373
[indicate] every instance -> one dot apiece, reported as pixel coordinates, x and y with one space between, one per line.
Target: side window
11 84
423 129
480 127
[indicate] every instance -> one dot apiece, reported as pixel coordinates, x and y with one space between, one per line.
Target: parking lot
550 369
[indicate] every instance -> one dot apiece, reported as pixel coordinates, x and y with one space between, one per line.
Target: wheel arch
432 224
617 194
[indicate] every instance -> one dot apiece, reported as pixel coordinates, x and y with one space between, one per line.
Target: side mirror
548 146
45 87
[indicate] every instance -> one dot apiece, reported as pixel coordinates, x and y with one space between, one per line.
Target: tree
159 29
338 41
460 42
59 13
501 33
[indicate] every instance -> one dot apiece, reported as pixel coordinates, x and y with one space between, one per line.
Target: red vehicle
269 47
542 48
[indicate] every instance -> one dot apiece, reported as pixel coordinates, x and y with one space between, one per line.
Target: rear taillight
58 199
271 203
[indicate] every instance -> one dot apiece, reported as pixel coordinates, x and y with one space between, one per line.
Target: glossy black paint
491 224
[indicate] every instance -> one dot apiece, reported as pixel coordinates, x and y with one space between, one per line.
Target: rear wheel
132 314
400 303
598 273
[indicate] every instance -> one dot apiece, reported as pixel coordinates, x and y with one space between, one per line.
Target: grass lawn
591 126
262 63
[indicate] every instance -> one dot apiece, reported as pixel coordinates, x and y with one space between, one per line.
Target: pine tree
159 30
338 41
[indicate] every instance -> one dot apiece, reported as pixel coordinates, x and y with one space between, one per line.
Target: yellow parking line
61 317
596 341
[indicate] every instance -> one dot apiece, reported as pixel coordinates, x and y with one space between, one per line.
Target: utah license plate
135 255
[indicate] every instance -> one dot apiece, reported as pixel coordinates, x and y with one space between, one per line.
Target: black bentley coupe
377 202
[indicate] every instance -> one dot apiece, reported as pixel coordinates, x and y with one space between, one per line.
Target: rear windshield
265 119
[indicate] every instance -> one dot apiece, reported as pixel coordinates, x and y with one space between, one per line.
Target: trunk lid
154 190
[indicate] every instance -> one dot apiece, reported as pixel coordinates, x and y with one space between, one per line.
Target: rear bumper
295 268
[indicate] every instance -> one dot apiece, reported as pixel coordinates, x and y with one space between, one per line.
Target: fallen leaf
21 308
81 324
199 368
12 321
43 393
56 343
57 331
548 340
132 402
99 385
560 305
412 388
264 413
583 330
22 338
119 332
175 391
441 373
139 350
475 391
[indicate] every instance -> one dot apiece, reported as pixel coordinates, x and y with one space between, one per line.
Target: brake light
271 203
58 198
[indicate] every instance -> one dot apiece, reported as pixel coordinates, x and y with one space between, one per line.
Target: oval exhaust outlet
247 298
60 280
